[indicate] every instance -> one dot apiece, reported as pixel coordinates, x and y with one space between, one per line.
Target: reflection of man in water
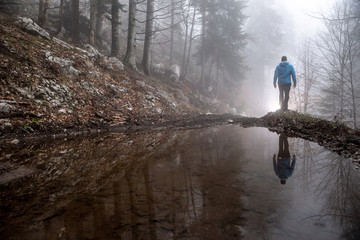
282 167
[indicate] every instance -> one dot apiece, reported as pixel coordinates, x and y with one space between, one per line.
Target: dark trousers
284 96
283 147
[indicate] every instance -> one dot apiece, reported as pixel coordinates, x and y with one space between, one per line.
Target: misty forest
179 119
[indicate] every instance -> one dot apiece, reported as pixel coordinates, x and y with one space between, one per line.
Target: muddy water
215 183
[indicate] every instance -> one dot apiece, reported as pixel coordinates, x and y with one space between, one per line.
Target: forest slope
49 86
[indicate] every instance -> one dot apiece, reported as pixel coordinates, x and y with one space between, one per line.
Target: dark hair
283 58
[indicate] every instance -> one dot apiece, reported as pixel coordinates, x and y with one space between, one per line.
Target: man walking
283 164
283 72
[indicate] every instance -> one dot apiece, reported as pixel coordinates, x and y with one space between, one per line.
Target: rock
62 43
111 63
116 64
15 141
180 95
62 111
158 68
55 102
31 27
65 64
92 51
174 72
5 108
62 62
25 92
5 123
73 71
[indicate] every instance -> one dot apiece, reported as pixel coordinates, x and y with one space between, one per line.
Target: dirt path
333 136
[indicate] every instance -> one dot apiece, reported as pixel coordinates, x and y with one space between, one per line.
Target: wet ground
224 182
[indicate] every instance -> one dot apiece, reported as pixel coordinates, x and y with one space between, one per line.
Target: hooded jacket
283 72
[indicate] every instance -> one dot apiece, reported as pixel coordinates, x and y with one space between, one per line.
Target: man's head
283 58
283 181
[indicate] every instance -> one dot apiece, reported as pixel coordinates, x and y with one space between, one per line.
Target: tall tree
172 29
148 36
222 41
203 41
185 71
189 21
100 11
61 17
115 28
340 48
130 57
43 6
307 73
75 21
93 13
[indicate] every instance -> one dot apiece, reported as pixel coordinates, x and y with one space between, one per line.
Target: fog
227 51
304 13
296 20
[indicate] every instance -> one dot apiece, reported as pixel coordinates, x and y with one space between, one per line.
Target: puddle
223 182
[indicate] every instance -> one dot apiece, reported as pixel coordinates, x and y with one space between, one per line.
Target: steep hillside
47 85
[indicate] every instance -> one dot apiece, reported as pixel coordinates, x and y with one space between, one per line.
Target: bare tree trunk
172 32
93 13
190 44
99 22
308 71
61 17
43 5
186 22
202 53
217 75
130 57
148 36
75 17
150 200
115 28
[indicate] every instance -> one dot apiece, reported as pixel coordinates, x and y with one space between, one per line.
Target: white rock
30 26
62 62
62 111
15 141
175 72
116 64
62 43
92 51
158 68
73 71
5 108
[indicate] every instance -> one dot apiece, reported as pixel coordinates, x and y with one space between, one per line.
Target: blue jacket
282 167
283 72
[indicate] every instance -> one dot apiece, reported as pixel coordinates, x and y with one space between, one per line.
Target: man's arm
293 162
293 75
275 76
274 163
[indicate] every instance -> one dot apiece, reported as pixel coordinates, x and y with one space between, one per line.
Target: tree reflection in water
215 183
339 186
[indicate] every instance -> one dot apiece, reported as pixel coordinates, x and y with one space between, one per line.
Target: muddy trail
334 136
